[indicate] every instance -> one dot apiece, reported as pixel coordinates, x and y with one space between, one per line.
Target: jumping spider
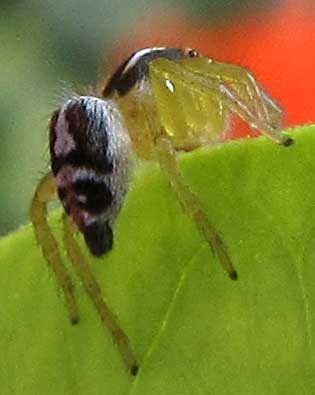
159 101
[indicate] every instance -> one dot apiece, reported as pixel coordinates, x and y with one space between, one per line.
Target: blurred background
49 48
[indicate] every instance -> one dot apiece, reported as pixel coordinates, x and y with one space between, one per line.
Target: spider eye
191 53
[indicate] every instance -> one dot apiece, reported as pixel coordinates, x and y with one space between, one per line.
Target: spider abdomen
89 149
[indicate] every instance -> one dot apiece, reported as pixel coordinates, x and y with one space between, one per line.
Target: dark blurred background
49 48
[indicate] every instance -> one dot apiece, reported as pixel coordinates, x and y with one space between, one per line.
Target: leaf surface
193 330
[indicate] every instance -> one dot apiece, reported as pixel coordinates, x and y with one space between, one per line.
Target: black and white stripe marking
90 155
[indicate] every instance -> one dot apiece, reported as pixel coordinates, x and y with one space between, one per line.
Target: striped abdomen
90 159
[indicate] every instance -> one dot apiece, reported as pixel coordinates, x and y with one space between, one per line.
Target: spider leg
93 289
233 87
243 92
167 158
247 90
43 195
233 102
274 111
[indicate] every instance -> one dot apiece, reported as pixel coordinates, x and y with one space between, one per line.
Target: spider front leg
244 96
93 289
232 87
246 90
167 158
45 192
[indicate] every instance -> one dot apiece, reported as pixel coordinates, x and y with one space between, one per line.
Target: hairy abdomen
90 159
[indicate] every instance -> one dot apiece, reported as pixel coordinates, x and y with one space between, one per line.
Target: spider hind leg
45 192
93 289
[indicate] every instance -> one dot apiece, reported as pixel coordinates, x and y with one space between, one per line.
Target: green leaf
193 330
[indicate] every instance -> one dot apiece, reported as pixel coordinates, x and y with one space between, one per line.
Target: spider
158 102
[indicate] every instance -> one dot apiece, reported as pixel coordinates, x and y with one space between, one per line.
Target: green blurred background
47 48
